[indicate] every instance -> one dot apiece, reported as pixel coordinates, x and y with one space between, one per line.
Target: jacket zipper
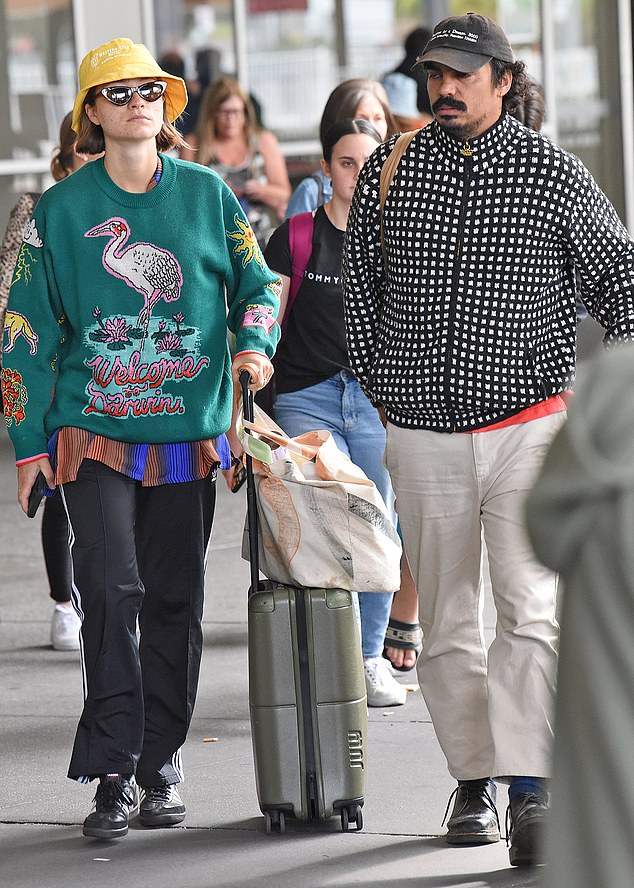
467 153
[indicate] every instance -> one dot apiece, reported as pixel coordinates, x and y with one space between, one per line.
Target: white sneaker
161 806
65 627
380 685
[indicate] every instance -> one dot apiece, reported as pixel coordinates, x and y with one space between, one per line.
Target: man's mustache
448 102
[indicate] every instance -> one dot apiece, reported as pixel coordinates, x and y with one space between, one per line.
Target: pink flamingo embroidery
151 271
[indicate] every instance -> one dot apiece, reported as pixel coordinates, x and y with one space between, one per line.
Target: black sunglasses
121 95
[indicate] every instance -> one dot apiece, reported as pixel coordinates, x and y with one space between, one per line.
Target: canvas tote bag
322 522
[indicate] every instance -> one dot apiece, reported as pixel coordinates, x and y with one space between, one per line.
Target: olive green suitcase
307 695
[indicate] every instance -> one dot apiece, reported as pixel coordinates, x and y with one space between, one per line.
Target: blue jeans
338 405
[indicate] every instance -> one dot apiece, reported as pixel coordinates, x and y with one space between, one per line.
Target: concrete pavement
222 842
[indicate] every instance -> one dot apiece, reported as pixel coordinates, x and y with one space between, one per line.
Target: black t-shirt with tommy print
313 347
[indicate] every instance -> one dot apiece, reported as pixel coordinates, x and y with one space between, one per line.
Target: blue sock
535 785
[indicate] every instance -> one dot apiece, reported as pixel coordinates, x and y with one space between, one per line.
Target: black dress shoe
474 819
116 800
525 828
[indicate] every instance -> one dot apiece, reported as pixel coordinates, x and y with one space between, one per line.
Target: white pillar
96 23
240 42
548 67
627 109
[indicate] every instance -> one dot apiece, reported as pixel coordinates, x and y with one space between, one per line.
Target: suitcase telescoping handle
252 509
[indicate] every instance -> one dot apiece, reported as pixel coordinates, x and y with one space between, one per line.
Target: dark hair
531 109
344 100
519 85
416 41
349 127
63 158
173 63
90 138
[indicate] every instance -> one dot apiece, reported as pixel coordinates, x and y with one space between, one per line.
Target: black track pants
137 551
55 548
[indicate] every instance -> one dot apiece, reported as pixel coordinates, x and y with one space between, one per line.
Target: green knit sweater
119 308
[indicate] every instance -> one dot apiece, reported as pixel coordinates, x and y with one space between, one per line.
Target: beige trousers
492 711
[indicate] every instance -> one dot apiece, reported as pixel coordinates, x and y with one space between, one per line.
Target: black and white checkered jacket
474 319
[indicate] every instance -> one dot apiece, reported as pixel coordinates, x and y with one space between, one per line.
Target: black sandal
405 637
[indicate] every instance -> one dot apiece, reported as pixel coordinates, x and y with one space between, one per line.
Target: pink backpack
300 241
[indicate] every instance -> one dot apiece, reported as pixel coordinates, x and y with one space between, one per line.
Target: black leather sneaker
161 806
474 819
525 828
116 800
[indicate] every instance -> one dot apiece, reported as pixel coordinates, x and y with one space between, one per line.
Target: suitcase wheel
354 814
274 820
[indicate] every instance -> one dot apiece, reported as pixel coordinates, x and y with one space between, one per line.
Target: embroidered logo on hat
455 34
466 42
98 56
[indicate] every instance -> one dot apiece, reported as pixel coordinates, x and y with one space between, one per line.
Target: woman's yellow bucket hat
121 59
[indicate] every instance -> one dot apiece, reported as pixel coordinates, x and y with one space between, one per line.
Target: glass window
37 88
587 89
294 58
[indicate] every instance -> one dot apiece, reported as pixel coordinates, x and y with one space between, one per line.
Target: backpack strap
300 241
387 174
318 179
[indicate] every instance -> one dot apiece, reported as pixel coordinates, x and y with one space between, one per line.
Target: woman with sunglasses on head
248 157
127 279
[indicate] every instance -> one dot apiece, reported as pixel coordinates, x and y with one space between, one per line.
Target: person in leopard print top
13 237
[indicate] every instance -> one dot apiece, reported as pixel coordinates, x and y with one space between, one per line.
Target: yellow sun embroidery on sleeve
247 243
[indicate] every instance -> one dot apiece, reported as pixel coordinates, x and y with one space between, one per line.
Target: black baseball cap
466 42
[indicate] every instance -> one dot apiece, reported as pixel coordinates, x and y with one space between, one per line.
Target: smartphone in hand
36 495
